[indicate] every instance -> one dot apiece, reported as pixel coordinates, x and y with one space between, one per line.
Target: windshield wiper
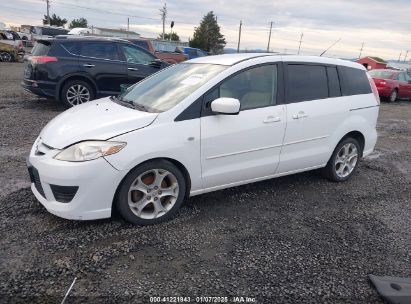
124 102
140 107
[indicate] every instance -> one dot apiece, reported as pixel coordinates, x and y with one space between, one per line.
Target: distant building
371 63
114 33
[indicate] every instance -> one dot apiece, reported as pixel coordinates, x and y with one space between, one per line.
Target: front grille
63 194
35 178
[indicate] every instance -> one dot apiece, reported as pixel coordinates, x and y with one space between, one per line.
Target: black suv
76 70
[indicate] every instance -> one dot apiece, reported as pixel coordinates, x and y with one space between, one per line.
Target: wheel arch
71 77
358 136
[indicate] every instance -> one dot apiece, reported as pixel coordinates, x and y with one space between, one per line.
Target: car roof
231 59
388 70
60 38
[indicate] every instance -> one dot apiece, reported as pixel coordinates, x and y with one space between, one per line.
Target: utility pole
128 26
48 12
399 57
269 37
362 47
299 46
163 15
239 37
406 55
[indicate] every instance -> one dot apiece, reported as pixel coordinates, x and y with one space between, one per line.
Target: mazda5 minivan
203 125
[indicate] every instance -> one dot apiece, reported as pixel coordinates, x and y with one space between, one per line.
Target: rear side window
333 82
142 44
41 48
100 50
401 77
306 82
72 47
355 81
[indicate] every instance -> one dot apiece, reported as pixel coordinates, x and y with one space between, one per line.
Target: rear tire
393 96
344 160
151 193
76 92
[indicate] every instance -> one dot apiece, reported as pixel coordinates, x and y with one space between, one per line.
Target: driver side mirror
226 106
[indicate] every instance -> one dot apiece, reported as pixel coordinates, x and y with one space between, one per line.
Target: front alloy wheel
6 57
151 193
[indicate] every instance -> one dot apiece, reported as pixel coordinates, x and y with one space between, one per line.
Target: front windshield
167 88
381 74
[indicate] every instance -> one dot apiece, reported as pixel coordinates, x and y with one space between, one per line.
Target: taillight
383 82
374 88
42 59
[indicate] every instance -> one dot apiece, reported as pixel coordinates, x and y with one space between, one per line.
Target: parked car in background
45 31
204 125
192 52
169 57
78 70
392 84
11 46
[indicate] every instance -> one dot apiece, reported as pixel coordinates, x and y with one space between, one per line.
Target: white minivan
203 125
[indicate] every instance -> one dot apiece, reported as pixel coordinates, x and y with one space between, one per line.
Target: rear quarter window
41 48
306 82
354 81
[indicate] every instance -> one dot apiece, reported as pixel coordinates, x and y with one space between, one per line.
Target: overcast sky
383 25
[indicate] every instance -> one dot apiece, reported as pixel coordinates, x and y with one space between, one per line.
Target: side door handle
300 114
271 118
132 69
88 65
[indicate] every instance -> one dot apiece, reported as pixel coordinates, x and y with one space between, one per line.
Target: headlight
88 150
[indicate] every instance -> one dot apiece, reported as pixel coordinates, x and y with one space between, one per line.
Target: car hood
96 120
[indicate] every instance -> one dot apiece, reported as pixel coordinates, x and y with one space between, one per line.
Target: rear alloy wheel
6 57
76 92
151 193
344 160
393 96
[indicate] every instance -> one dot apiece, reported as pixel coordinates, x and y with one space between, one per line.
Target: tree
173 36
81 22
207 36
55 20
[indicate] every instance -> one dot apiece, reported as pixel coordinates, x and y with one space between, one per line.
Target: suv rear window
355 81
41 48
306 82
100 50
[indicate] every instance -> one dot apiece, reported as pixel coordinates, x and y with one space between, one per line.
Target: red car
392 84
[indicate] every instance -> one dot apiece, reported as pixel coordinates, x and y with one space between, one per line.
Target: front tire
151 193
76 92
344 160
6 57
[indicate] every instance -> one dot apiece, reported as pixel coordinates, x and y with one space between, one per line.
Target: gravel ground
295 239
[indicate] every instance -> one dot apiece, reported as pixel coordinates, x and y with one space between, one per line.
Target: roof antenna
330 47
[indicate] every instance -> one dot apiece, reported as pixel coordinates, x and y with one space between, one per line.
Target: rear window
381 74
306 82
100 50
355 81
41 48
